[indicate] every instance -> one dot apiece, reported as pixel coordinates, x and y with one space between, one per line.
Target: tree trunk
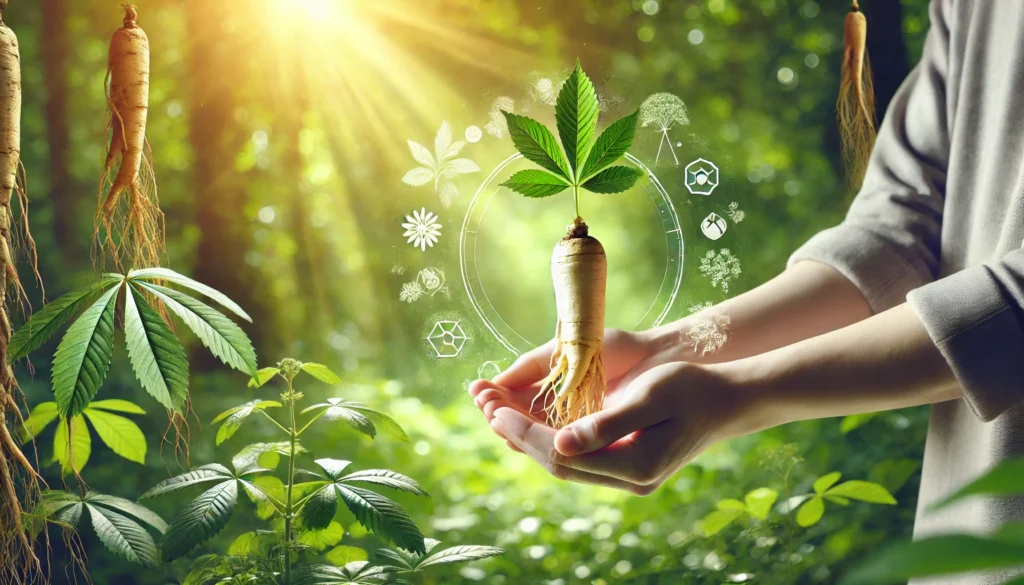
220 191
55 76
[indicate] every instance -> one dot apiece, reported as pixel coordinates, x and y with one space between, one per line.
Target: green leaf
1006 478
333 468
535 142
45 322
576 116
234 417
611 145
69 515
343 555
182 280
273 488
266 455
939 555
760 501
855 421
826 481
247 544
200 520
381 421
731 504
336 409
893 474
123 537
157 357
460 554
78 448
613 180
811 512
386 478
535 183
324 537
128 508
319 509
718 520
321 372
123 436
837 500
225 340
204 474
41 416
865 491
353 573
382 516
263 375
117 405
83 356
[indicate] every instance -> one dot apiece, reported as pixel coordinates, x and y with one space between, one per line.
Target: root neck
130 15
578 229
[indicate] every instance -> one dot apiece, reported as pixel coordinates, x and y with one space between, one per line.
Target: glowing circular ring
513 341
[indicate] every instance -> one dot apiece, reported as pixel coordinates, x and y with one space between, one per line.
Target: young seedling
576 384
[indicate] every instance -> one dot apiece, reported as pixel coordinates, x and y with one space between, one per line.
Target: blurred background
279 132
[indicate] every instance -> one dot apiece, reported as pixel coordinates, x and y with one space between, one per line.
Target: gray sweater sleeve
889 243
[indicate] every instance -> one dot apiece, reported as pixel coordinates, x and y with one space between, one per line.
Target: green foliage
117 432
119 524
83 356
585 162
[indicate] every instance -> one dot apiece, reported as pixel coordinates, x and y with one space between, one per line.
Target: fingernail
497 424
569 443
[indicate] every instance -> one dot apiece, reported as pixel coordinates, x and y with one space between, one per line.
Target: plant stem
576 199
289 510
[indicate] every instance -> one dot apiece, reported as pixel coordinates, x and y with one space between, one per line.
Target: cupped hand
657 422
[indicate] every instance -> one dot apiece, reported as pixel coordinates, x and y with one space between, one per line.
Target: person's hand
625 355
656 424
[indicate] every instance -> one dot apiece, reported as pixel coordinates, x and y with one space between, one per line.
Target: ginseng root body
575 387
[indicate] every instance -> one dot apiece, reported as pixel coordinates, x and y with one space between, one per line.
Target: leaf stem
311 421
576 199
264 413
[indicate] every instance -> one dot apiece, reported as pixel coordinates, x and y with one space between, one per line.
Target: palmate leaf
234 417
321 372
938 555
319 509
156 355
266 455
324 537
83 356
611 145
576 117
613 180
151 274
263 375
38 419
121 434
335 409
72 453
117 405
460 554
381 421
353 573
386 478
535 183
382 516
123 536
535 142
128 508
200 520
225 340
200 475
45 322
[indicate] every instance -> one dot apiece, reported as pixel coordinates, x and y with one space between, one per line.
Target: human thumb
603 428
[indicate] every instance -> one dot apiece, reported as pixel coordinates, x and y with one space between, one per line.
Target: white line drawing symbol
474 134
735 214
713 226
488 370
664 111
428 281
699 141
701 177
422 229
720 267
694 309
709 335
497 126
545 91
447 339
441 167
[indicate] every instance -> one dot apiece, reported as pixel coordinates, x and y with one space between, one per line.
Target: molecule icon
701 177
447 339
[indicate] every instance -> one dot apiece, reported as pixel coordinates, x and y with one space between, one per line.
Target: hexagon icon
701 177
447 339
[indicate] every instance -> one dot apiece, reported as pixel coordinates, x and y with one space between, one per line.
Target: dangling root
128 215
856 106
575 387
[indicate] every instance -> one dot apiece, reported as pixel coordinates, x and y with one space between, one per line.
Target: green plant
951 554
301 514
72 442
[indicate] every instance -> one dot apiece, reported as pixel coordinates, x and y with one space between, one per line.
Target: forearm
806 300
886 361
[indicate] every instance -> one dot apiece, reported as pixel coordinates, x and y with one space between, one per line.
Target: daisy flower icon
422 229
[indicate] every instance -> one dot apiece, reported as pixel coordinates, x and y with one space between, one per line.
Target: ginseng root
18 562
575 387
855 109
133 229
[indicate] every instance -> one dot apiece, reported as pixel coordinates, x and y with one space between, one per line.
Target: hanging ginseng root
19 482
129 223
855 110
